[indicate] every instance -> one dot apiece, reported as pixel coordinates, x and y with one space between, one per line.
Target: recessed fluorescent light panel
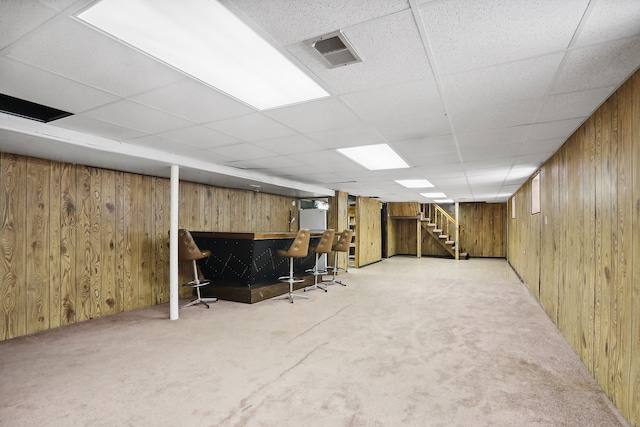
433 195
207 41
414 183
374 157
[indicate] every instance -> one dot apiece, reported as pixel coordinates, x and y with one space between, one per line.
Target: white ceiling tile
73 50
33 84
193 101
315 116
428 159
574 104
412 127
611 19
493 152
494 116
164 144
243 151
493 137
516 81
347 137
59 4
488 32
290 145
210 156
598 66
200 136
489 171
252 127
306 20
18 18
544 146
326 157
97 127
137 116
553 129
421 97
425 146
267 163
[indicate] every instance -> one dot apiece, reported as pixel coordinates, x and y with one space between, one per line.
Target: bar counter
248 259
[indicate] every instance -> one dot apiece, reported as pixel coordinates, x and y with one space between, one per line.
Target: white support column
173 243
457 231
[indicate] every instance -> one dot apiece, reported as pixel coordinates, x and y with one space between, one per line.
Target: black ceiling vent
335 49
30 110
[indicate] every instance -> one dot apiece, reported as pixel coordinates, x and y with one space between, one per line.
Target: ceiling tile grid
474 95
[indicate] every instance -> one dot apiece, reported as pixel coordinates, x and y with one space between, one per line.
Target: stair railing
443 220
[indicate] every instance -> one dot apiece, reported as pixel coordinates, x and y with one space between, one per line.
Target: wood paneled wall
484 229
338 219
80 242
581 255
368 231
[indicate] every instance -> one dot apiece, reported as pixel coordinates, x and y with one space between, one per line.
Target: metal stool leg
197 284
316 272
291 280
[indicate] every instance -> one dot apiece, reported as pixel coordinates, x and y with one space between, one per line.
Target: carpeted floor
409 342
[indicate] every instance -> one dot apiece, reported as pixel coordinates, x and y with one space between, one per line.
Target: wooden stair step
432 225
443 236
437 230
449 242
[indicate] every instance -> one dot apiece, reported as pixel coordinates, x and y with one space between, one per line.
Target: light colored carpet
411 342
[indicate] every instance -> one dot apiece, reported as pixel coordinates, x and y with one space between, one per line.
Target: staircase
441 226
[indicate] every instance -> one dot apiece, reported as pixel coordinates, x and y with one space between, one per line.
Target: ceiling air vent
335 49
29 110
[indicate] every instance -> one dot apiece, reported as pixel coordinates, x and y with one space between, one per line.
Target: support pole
457 231
173 243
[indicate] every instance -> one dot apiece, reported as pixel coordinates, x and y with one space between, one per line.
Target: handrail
443 221
438 216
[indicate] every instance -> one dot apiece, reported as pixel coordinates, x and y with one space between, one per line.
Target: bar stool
298 249
342 245
323 247
189 251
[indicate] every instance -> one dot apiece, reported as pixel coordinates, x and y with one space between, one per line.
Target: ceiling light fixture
433 195
374 157
207 41
414 183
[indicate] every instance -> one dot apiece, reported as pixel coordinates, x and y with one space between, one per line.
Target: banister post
457 210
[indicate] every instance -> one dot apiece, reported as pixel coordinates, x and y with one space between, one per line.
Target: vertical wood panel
55 239
613 258
37 230
12 287
588 244
68 243
120 244
129 209
623 286
368 231
83 244
146 259
599 356
95 217
157 254
108 243
634 370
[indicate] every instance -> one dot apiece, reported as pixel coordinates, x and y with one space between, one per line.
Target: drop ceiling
474 95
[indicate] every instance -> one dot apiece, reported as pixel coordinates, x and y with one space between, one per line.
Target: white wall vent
335 49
